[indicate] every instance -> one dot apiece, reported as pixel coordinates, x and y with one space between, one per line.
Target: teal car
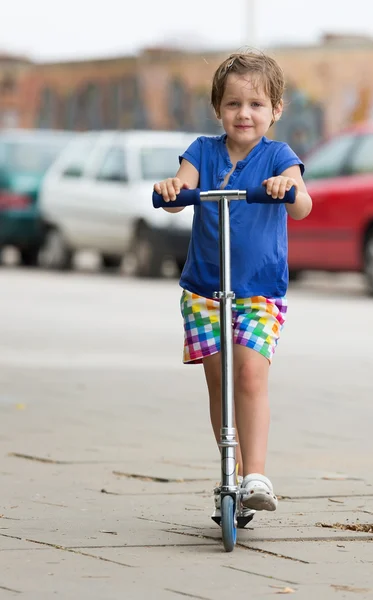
25 156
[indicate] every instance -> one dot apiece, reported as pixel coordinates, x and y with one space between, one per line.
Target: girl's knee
251 376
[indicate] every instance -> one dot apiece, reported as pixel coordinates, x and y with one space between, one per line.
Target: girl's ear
277 112
217 114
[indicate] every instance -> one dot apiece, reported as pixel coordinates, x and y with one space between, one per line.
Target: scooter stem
225 296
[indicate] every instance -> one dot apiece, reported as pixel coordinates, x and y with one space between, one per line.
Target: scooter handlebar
185 198
258 195
253 195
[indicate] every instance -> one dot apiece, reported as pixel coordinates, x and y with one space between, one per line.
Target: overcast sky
73 29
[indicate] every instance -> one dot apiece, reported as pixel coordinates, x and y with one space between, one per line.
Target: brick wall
328 87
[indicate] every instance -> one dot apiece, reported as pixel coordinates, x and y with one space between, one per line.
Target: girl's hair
261 67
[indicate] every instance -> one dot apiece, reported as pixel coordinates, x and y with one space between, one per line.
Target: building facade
329 87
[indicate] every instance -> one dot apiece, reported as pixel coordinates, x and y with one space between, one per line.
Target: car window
78 156
361 160
158 163
329 159
113 166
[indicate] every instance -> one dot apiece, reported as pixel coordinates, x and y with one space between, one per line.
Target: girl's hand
277 186
170 188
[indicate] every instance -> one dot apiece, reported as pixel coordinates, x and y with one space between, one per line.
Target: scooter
231 495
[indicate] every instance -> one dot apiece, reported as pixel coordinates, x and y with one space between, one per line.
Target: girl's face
246 111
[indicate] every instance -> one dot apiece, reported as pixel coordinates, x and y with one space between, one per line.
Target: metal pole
250 31
228 433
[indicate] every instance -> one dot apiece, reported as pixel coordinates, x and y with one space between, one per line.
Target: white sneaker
258 493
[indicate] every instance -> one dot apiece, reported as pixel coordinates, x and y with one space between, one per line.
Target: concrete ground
107 460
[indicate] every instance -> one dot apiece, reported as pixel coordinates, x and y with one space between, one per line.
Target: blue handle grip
185 198
254 195
258 195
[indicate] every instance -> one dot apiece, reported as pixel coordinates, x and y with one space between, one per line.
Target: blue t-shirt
258 231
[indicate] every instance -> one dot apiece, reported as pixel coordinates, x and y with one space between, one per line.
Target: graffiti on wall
178 105
190 110
114 104
357 104
204 115
302 122
48 109
119 104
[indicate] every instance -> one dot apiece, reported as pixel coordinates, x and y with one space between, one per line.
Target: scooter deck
241 521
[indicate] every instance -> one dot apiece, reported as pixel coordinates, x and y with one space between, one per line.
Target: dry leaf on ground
349 588
359 527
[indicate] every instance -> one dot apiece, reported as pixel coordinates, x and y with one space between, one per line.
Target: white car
97 196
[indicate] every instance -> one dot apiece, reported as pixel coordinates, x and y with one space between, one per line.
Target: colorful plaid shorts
256 323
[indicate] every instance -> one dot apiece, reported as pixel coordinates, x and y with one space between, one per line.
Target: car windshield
330 158
158 163
30 156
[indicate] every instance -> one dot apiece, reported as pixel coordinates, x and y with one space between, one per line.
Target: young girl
246 95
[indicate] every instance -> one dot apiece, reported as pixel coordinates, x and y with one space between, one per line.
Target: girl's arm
187 177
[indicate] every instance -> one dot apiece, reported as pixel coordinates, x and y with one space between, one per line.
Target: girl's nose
244 112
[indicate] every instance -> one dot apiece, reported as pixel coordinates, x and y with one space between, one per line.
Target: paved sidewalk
107 466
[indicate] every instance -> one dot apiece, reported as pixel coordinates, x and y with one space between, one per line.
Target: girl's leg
212 367
252 413
251 371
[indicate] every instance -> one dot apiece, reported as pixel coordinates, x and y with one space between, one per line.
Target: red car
338 233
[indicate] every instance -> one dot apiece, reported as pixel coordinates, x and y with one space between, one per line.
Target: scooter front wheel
228 525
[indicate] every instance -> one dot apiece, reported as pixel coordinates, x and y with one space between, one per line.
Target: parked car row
94 193
62 192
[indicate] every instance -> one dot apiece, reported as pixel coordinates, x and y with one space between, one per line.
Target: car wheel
368 260
147 255
55 254
29 256
294 275
180 265
111 262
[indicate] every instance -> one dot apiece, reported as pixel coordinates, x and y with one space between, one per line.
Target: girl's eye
233 103
256 104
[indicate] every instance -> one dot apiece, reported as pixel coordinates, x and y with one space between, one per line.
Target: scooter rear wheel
228 526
